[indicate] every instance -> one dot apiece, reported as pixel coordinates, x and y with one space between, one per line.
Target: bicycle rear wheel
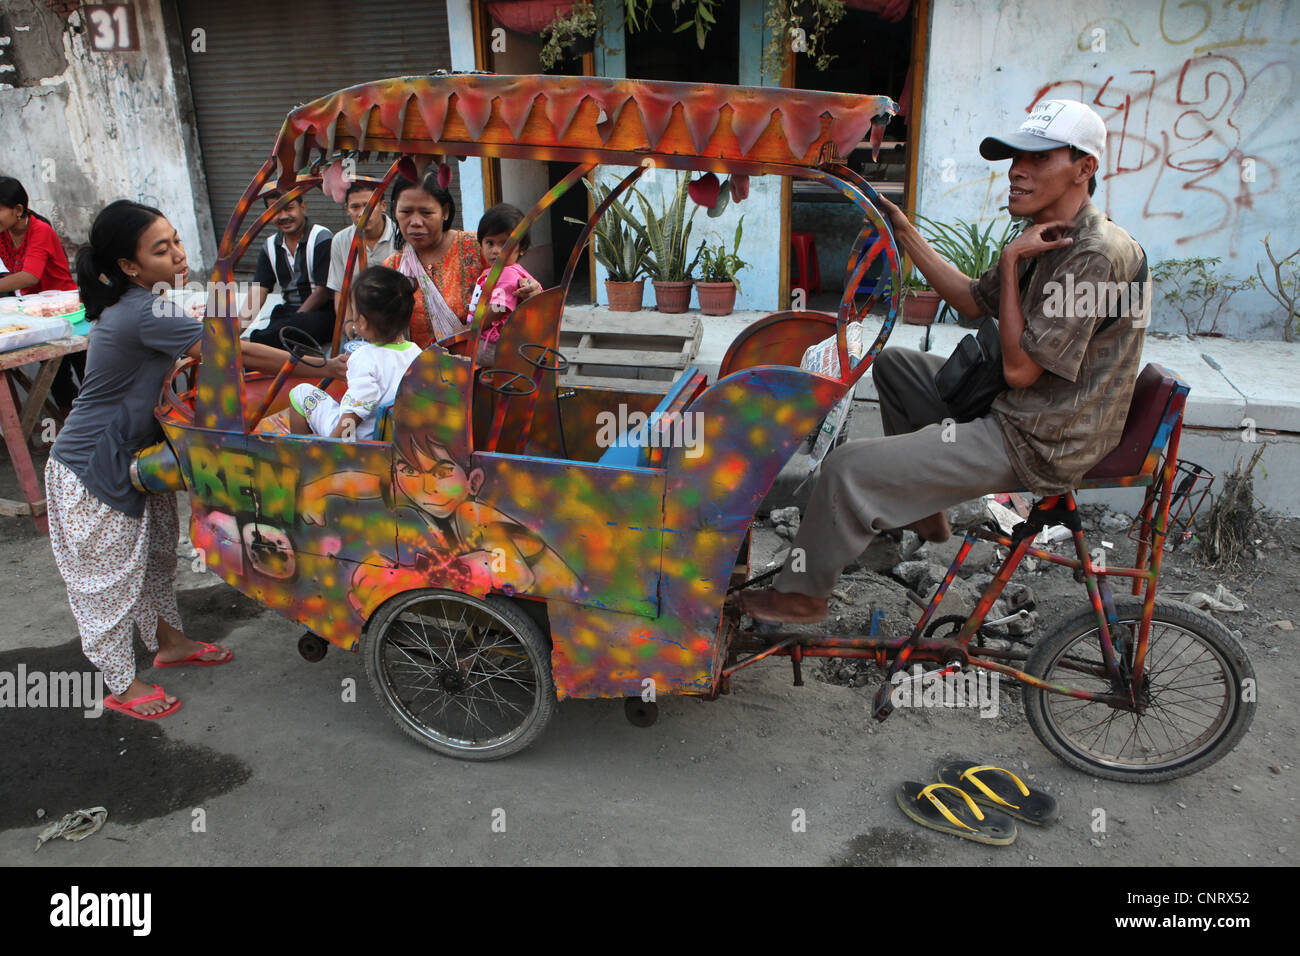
1197 693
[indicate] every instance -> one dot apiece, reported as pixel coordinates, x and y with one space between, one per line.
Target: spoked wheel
465 677
1196 698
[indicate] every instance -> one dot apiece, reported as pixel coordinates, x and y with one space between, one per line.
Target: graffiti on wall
1178 140
1199 103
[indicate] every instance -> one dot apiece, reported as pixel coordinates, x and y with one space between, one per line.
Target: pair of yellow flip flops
1004 799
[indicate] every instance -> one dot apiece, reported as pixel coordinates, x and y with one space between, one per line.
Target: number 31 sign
112 27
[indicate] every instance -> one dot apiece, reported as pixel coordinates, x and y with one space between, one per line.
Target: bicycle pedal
883 705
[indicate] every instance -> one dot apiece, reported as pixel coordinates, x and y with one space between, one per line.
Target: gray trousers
922 465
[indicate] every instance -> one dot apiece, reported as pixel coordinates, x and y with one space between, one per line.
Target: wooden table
17 419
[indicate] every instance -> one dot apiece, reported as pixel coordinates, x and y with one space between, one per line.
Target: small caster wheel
639 712
312 648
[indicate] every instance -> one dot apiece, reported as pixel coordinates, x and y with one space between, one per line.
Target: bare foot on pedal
780 607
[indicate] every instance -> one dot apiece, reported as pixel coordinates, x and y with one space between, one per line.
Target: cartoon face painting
434 482
445 494
444 526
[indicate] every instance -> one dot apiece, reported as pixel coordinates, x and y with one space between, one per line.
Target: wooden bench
646 351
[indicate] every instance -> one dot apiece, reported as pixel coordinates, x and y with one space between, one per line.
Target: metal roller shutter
262 59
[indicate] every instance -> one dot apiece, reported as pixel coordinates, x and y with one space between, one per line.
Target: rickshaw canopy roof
582 119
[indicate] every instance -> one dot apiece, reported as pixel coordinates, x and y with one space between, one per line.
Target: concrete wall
760 244
1200 105
84 128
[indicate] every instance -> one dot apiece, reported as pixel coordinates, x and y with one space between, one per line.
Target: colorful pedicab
489 555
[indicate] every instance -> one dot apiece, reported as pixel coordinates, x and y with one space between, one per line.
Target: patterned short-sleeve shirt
1072 416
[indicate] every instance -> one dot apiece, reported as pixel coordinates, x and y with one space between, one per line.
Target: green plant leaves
618 240
1192 287
719 265
810 21
657 243
669 233
583 20
968 247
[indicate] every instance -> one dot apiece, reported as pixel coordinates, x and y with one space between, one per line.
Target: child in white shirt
384 299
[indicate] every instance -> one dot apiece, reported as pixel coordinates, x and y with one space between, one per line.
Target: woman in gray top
116 547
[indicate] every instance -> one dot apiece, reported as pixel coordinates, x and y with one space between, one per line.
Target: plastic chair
805 254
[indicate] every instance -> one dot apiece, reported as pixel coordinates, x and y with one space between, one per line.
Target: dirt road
273 761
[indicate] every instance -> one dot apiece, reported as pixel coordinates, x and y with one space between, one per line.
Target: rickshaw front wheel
466 677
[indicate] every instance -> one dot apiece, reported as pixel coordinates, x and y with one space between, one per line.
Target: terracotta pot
716 298
673 296
920 308
625 296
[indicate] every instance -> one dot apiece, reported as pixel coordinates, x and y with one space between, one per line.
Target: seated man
295 261
379 239
1069 381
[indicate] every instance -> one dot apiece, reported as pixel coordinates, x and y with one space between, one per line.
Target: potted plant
570 34
798 26
668 232
621 246
969 248
717 285
920 302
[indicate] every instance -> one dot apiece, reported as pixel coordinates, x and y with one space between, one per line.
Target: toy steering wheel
508 387
301 345
559 363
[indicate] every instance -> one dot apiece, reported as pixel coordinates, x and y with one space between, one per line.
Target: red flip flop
124 707
196 660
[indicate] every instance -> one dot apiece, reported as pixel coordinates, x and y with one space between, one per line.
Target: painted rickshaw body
635 561
504 520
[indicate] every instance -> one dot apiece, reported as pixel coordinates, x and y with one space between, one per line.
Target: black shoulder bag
972 377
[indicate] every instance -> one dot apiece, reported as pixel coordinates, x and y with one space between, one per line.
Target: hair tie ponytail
105 270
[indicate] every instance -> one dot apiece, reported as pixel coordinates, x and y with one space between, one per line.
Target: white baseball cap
1051 124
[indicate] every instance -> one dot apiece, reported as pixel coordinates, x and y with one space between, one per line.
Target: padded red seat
1151 396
